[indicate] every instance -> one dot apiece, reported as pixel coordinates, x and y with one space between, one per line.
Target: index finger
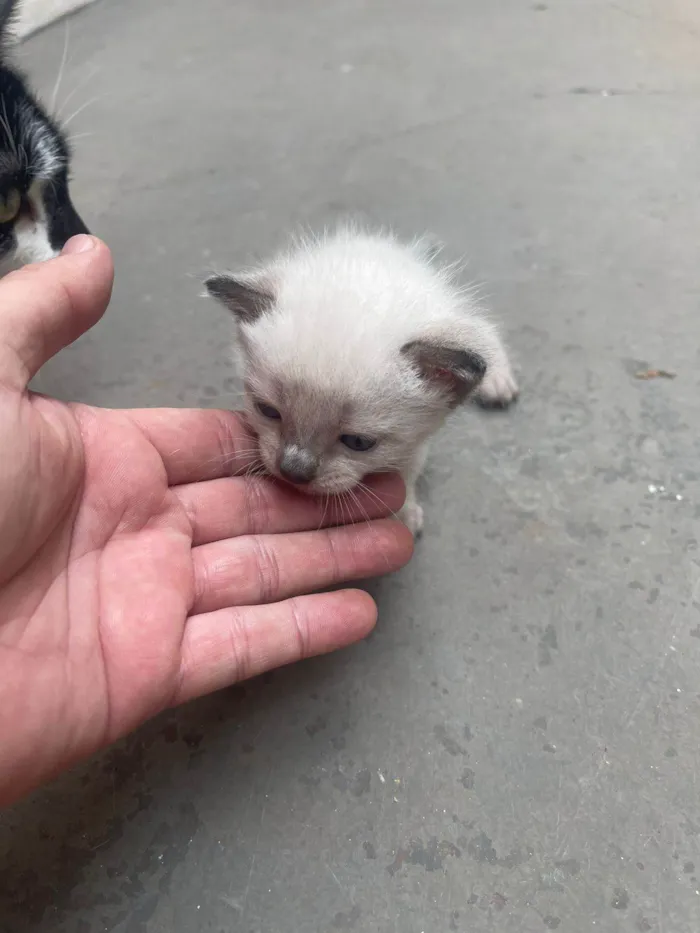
197 444
228 508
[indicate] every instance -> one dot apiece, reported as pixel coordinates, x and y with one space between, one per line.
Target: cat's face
325 435
37 216
352 358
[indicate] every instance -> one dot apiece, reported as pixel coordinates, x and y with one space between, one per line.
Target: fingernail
78 244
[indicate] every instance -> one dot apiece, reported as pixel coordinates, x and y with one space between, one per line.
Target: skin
136 572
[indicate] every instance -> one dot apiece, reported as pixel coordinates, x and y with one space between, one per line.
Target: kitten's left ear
454 372
246 300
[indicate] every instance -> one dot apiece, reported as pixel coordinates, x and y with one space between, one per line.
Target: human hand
135 571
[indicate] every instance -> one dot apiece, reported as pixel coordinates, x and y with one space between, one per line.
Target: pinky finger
223 647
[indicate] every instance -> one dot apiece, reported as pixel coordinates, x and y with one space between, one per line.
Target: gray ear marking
454 371
245 300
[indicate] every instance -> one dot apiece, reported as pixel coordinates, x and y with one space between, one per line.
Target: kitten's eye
358 442
9 206
267 411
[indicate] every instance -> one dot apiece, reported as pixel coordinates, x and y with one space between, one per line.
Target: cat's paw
498 388
412 517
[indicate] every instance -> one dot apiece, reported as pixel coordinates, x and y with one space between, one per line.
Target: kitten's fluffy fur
355 339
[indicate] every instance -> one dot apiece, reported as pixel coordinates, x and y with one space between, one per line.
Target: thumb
46 306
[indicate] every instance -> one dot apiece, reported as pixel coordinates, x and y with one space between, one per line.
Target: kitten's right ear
246 301
454 372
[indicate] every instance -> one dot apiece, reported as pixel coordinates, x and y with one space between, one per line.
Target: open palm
135 570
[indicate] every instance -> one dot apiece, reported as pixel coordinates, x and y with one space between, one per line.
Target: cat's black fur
34 163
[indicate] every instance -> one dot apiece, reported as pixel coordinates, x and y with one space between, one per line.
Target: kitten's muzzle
297 465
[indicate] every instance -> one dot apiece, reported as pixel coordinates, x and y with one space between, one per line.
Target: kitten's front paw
498 388
412 517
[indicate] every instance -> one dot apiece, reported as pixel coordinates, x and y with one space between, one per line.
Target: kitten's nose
298 465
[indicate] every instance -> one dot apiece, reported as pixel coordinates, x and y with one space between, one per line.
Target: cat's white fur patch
33 244
32 241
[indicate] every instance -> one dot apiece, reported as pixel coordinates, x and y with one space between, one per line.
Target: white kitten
355 349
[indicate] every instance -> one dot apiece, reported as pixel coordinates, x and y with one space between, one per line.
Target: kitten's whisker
363 509
344 505
338 503
367 519
78 87
61 68
358 505
227 459
370 492
259 469
8 132
80 109
240 452
325 497
333 503
386 559
75 136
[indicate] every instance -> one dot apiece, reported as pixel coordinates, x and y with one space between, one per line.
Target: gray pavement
517 746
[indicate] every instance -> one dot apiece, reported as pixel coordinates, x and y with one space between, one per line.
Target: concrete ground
517 747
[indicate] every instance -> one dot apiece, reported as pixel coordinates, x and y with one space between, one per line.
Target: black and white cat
37 216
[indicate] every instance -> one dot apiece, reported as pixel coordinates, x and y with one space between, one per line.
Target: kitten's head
36 213
354 351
